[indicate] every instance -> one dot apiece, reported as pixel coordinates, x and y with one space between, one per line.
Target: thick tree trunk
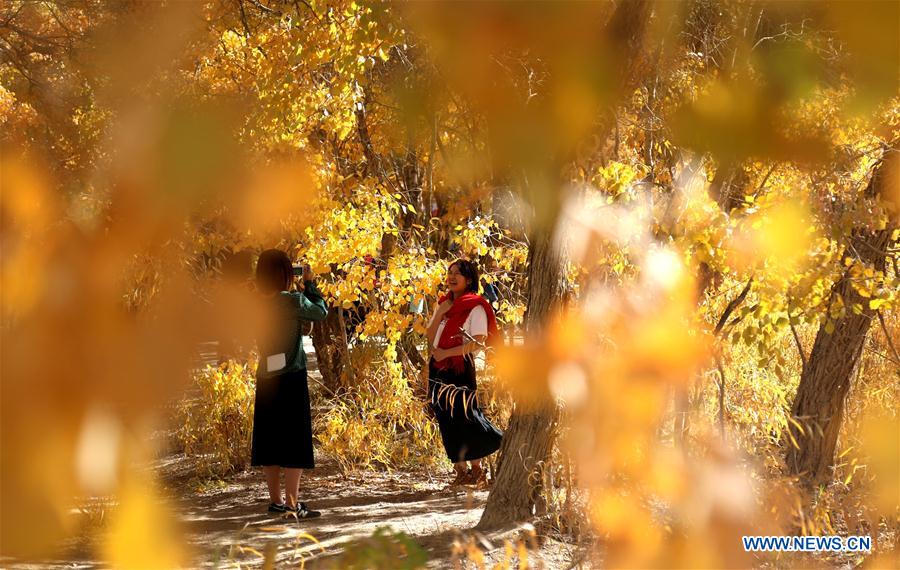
529 436
819 404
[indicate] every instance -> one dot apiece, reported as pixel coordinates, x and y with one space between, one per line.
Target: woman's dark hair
469 270
274 271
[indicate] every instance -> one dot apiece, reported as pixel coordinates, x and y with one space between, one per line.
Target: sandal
477 477
462 477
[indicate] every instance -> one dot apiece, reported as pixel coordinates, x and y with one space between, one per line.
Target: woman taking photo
282 424
461 324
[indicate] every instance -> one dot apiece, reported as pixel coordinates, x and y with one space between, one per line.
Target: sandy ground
229 526
224 523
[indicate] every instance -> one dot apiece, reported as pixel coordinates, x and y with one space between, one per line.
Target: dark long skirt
282 425
466 433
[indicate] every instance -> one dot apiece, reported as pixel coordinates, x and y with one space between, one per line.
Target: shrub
217 424
380 422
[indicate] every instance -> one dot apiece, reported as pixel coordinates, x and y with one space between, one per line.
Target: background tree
818 407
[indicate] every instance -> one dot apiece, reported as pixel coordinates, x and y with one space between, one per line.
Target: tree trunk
529 437
329 338
408 345
819 404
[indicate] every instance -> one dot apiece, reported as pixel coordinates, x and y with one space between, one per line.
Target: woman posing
461 324
282 424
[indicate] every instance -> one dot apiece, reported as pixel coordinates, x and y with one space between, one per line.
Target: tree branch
721 370
884 356
263 8
888 336
798 343
240 4
732 306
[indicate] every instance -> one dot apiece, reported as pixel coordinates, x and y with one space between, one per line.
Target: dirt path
227 525
224 523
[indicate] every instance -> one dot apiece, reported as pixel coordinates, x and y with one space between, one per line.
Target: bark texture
329 338
529 436
819 404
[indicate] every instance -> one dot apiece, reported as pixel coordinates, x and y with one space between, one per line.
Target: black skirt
282 425
466 433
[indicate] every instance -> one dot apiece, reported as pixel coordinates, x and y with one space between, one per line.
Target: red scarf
456 318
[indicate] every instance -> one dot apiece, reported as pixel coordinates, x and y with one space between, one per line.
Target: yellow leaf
143 532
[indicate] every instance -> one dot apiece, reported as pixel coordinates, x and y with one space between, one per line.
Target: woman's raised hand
444 307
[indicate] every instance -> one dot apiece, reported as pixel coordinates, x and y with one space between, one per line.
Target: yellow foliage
216 425
779 236
143 532
381 424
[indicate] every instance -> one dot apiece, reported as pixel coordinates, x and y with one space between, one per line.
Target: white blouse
476 324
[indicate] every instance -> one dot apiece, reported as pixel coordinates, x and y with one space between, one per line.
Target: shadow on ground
231 524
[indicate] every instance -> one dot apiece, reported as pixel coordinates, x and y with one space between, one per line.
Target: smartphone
298 269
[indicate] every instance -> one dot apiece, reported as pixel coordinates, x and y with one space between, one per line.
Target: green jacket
283 352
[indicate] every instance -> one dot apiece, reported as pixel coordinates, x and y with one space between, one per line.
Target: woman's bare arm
439 313
463 349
